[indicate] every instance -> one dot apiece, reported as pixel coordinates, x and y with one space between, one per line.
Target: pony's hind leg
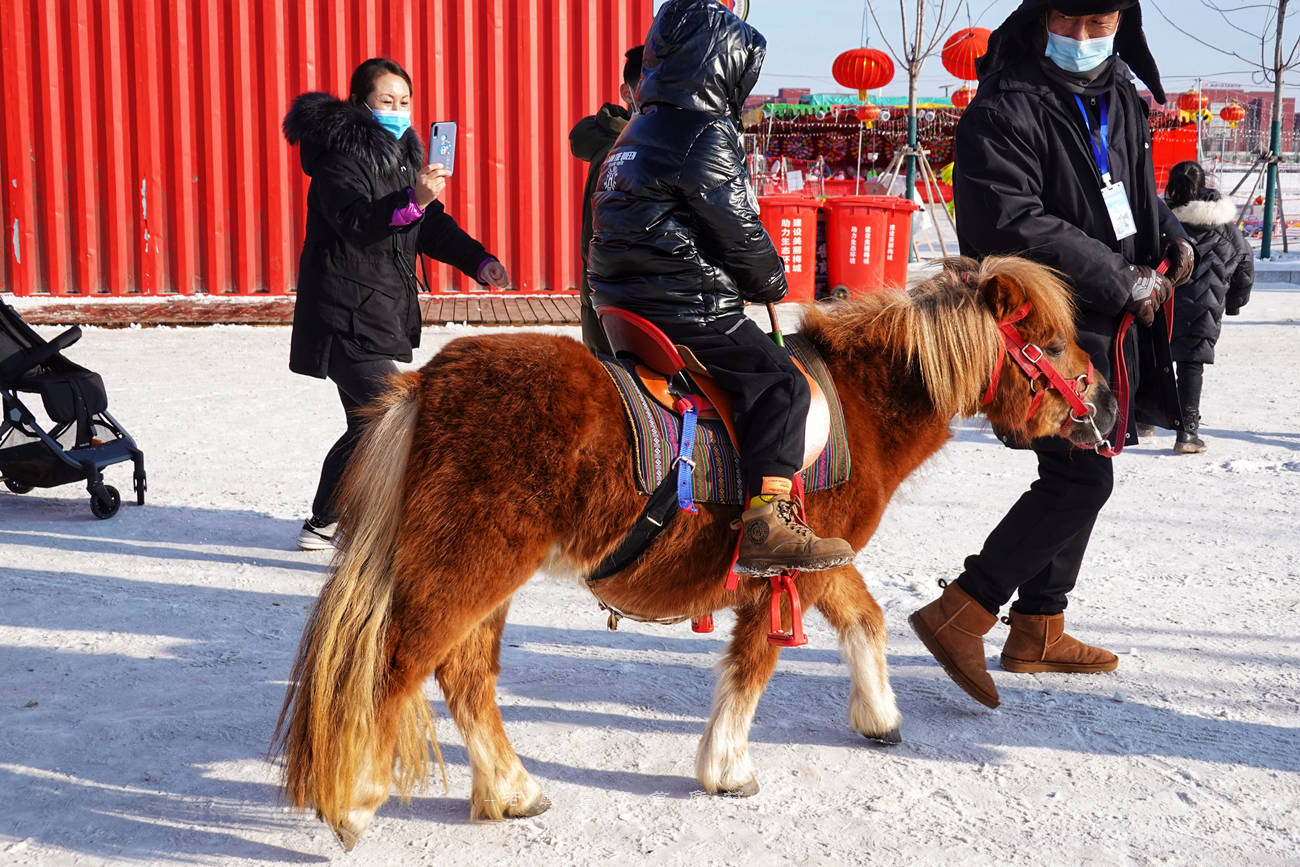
501 787
722 763
850 609
453 630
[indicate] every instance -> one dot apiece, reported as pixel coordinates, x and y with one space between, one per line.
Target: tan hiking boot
952 628
1039 642
774 539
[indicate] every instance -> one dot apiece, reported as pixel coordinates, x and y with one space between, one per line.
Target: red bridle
1033 361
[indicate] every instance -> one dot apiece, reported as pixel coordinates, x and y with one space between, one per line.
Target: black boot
1187 442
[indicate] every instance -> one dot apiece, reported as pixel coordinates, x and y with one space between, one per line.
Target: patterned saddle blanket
656 432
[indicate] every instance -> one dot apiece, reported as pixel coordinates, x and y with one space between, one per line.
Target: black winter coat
677 235
590 141
357 288
1225 273
1026 183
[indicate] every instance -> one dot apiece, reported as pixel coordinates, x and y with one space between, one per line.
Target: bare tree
1275 59
919 42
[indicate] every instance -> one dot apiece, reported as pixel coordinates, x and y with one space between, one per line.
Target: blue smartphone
442 144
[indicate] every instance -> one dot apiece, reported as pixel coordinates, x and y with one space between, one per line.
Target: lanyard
1102 151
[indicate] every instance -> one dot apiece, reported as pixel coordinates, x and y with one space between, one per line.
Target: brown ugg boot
1039 642
774 539
952 628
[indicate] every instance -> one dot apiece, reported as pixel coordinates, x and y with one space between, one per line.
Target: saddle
676 380
669 372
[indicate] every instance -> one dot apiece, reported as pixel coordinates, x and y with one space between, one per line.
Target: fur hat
1018 37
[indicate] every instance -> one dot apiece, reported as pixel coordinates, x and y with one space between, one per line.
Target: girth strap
671 495
685 462
660 511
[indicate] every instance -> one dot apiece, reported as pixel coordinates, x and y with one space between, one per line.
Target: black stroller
83 438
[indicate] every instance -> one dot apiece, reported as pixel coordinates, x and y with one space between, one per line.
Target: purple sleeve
409 214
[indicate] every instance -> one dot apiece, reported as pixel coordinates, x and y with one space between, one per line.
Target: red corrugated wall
140 144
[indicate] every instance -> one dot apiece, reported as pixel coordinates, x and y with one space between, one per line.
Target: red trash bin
898 239
791 223
867 242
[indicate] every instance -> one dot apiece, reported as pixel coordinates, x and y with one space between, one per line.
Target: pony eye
1056 349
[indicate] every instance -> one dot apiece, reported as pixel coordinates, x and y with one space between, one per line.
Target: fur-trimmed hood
321 122
1209 210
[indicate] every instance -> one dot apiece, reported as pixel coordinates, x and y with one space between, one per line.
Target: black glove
1182 260
1148 292
771 293
1233 311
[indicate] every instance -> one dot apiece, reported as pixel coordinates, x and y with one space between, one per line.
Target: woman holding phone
372 207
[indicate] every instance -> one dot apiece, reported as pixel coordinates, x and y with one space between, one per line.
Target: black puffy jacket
1026 183
356 277
677 235
1225 273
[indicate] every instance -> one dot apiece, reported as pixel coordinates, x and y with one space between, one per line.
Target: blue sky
804 36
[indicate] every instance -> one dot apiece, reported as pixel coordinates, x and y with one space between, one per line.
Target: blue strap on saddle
685 463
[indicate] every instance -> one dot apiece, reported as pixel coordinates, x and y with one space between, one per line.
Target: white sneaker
316 535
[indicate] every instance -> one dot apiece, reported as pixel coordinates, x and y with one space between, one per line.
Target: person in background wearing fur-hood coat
1053 162
371 208
1224 276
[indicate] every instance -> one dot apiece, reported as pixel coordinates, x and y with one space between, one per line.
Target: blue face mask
1075 56
396 122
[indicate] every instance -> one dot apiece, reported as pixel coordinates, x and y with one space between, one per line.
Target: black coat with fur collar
1224 275
357 289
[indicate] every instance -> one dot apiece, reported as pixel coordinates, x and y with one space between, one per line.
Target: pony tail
330 706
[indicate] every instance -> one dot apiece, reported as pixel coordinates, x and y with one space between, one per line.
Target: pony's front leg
852 611
501 788
722 762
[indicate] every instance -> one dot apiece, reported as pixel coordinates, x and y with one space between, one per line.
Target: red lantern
863 69
962 49
1233 114
868 113
962 96
1192 102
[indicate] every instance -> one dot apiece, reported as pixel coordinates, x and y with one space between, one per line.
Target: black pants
1190 376
1038 547
592 334
358 382
769 395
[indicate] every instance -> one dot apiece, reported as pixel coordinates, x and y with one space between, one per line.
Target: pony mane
942 326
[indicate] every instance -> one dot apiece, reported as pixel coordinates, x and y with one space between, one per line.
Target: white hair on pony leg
722 763
872 707
501 787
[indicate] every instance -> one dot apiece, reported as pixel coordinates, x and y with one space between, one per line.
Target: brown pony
508 453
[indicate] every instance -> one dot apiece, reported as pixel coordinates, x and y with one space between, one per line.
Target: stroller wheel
17 487
105 501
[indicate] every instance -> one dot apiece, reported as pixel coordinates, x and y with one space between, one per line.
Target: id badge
1117 207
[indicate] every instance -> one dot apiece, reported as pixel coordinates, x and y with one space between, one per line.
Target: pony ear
1002 294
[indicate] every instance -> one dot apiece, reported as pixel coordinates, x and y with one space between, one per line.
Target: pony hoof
746 790
893 737
541 805
347 837
349 831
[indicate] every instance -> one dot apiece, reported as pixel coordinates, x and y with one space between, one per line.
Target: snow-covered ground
143 659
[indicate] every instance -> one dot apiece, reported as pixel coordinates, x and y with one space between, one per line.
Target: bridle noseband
1030 358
